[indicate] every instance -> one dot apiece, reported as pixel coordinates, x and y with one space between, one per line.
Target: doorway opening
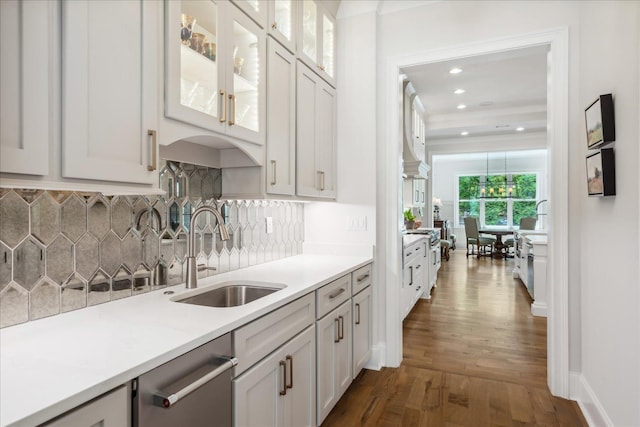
556 144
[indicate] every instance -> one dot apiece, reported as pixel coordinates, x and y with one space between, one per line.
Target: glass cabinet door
194 77
318 39
198 66
282 18
327 64
245 78
310 31
256 9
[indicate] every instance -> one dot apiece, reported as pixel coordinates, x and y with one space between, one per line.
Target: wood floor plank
473 356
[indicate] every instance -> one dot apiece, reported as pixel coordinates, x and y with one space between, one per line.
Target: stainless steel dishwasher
191 390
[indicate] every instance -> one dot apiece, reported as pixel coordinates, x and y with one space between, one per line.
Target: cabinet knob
274 25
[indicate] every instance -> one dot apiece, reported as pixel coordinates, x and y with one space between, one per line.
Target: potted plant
409 219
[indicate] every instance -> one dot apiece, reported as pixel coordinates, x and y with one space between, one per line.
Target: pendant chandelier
497 186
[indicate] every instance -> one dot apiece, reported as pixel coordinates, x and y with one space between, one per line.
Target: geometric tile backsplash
63 251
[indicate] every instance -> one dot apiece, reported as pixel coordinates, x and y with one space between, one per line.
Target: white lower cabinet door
334 358
300 360
279 390
110 410
362 340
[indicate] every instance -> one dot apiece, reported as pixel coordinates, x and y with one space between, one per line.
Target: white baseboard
581 392
376 361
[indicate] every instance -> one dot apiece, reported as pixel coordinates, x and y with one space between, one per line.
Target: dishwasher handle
220 364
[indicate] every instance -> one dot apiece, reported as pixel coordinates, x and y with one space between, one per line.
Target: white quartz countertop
410 239
537 239
52 365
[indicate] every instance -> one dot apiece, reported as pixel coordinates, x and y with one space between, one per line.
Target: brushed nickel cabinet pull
337 330
153 164
411 272
223 105
341 336
357 314
284 378
321 180
273 172
361 278
337 293
290 360
232 108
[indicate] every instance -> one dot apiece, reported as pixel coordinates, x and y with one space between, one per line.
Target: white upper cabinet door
25 49
215 68
326 140
282 25
109 90
281 120
316 136
317 39
256 9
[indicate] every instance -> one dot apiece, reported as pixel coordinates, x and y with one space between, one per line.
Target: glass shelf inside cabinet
198 66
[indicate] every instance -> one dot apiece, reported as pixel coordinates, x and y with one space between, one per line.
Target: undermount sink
233 294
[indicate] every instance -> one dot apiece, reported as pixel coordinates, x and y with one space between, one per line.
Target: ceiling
503 91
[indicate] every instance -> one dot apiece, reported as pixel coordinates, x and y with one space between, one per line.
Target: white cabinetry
25 32
317 39
434 265
334 358
109 90
215 68
413 276
279 390
281 117
362 337
316 136
110 410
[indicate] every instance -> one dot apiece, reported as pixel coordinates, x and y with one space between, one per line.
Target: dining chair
474 239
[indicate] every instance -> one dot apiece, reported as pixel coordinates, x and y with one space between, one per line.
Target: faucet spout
192 268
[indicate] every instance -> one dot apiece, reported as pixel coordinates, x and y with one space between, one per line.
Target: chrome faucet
192 267
537 205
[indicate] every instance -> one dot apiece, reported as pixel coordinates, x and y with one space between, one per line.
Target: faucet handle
203 267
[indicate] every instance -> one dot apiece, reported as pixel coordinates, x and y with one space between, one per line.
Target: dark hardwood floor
473 356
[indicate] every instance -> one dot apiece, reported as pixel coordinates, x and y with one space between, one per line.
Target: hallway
473 356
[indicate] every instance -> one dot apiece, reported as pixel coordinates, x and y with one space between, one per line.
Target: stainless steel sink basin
233 294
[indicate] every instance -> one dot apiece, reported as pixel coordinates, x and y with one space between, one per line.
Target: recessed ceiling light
520 129
455 70
458 91
465 133
461 107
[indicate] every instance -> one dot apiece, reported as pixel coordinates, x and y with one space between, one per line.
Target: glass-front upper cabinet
256 9
215 65
282 22
317 39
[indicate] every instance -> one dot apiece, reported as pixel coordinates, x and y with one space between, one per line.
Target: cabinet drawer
361 278
254 341
413 251
332 295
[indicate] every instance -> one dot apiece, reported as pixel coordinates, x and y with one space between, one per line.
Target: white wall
604 336
609 286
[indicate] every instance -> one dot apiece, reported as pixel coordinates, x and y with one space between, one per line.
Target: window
505 200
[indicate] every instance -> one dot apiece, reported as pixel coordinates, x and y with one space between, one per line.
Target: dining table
499 245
